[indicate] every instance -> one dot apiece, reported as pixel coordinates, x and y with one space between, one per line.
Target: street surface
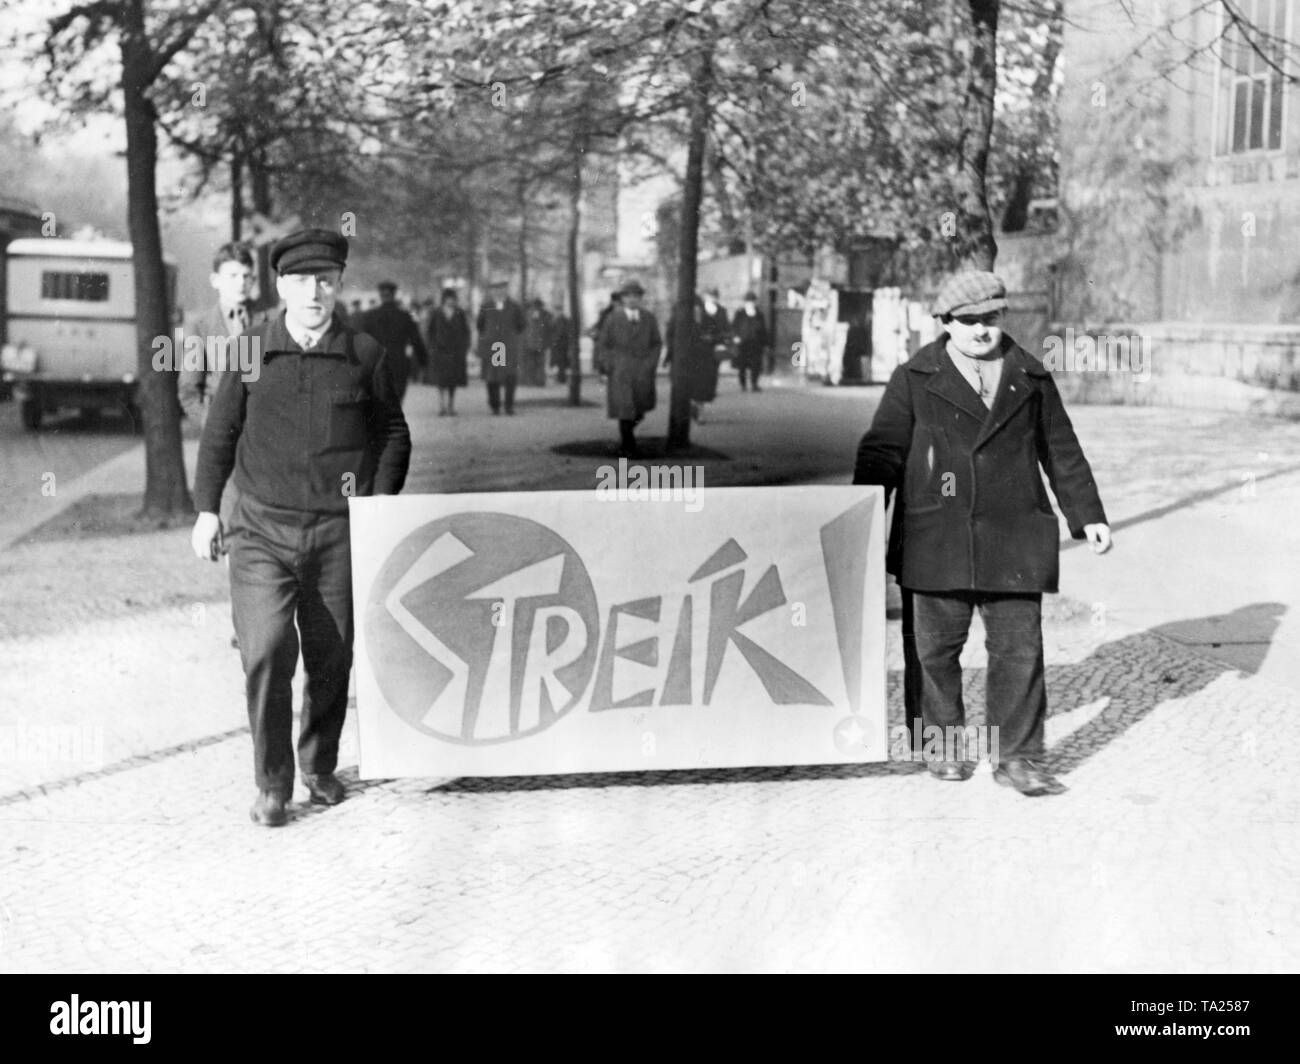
1172 671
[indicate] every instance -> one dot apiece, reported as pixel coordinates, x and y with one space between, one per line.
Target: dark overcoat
396 330
502 325
630 350
710 343
448 340
751 338
970 511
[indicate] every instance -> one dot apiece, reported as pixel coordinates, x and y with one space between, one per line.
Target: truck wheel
30 410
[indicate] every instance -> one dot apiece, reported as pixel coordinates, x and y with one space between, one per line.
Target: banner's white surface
553 632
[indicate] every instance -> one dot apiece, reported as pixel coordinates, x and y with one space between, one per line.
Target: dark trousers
494 393
285 567
751 366
935 627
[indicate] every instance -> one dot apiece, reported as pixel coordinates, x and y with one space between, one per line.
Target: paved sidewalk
125 842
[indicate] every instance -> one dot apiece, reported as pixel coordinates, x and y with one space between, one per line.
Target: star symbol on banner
851 734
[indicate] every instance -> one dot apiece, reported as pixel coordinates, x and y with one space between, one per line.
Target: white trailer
70 326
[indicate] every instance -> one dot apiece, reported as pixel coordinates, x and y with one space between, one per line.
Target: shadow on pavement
1120 672
1134 674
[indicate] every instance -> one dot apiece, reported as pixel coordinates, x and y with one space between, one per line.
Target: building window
1250 83
86 287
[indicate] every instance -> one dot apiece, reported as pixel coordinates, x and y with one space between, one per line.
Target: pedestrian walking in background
561 337
231 314
749 328
615 301
321 422
857 350
537 343
629 344
396 330
710 344
448 343
500 340
959 438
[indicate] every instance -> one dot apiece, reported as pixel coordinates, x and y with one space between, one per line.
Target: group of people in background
516 344
628 343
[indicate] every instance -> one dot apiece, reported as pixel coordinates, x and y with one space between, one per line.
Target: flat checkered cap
970 292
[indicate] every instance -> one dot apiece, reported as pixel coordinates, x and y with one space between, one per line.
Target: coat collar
1021 374
334 344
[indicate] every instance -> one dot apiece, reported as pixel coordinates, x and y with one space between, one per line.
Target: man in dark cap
396 330
750 331
628 345
959 439
320 422
500 339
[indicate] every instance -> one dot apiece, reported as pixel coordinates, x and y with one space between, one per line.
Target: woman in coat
447 337
710 343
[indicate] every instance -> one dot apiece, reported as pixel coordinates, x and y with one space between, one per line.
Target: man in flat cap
628 345
500 327
320 422
958 439
396 330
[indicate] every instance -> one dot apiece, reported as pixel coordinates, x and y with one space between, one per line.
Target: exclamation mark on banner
844 554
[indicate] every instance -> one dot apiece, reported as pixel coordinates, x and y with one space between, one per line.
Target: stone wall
1243 368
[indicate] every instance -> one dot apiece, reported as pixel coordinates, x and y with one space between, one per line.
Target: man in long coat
629 343
752 341
500 343
396 330
958 439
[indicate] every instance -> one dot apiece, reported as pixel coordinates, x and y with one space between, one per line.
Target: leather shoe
325 788
1028 778
268 810
951 771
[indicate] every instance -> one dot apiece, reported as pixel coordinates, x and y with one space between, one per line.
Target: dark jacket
395 329
750 331
448 348
196 386
971 512
630 351
503 325
312 429
710 344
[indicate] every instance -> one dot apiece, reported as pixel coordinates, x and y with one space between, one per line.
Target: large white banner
553 632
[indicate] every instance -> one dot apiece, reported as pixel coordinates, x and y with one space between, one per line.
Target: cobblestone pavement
125 843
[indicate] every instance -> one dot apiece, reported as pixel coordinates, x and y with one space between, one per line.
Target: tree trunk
236 197
575 280
260 179
1016 214
976 248
679 403
166 493
523 243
